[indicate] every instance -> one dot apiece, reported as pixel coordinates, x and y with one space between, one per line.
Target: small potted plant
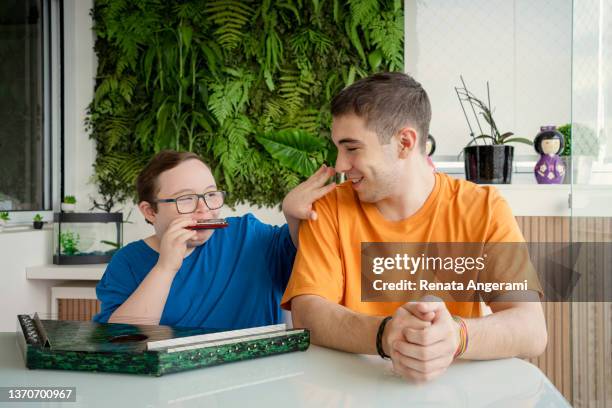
488 156
579 151
4 219
69 203
38 221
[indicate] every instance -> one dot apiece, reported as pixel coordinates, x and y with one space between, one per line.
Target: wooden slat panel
554 362
77 309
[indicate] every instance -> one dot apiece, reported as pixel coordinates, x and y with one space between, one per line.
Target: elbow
299 312
537 341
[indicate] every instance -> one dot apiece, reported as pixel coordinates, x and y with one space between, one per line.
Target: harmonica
209 224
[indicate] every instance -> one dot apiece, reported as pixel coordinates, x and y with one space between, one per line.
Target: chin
367 197
200 239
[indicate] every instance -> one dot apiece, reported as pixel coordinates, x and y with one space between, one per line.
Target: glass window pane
21 105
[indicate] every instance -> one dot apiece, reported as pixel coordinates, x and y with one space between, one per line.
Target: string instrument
146 349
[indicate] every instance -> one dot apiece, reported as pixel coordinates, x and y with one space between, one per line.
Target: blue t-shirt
234 280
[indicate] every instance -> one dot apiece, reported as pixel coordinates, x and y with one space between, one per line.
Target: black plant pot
491 164
38 224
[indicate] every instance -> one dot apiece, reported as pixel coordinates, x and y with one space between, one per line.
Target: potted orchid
488 156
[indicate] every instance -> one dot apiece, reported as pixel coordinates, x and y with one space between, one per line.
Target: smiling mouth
356 181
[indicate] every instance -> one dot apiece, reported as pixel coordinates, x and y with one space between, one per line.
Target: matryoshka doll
550 169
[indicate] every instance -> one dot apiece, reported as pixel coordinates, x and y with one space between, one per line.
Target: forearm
146 304
334 326
517 330
294 226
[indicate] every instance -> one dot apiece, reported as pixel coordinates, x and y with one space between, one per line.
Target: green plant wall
246 84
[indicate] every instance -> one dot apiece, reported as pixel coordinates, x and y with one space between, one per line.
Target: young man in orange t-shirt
380 126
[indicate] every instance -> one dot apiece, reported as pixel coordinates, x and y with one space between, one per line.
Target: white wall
522 47
79 81
18 250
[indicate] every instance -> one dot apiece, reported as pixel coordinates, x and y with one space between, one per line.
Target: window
26 110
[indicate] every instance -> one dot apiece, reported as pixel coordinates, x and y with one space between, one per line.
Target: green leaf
519 140
354 37
269 81
186 34
293 149
351 76
375 58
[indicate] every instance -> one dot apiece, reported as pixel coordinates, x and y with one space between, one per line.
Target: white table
315 378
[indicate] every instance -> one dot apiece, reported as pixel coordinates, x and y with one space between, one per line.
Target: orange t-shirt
328 262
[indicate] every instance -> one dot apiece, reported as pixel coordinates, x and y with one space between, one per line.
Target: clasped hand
421 339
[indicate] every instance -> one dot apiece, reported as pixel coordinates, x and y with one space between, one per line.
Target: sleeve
508 253
117 284
503 226
318 268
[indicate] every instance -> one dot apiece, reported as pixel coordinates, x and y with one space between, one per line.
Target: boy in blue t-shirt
227 278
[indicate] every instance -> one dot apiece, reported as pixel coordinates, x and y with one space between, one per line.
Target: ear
407 140
147 211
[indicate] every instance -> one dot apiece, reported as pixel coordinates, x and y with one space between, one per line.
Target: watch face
209 224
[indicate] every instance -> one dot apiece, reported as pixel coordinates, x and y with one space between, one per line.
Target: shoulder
129 251
341 198
249 225
248 220
465 191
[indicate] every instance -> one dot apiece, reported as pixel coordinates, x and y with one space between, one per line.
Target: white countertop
314 378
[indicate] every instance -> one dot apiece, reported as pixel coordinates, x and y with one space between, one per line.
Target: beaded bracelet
463 337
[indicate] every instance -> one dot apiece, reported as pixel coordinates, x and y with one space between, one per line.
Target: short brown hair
387 101
146 183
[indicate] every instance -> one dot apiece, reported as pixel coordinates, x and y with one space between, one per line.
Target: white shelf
561 200
537 200
66 272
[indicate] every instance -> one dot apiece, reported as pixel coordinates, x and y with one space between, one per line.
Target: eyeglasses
188 203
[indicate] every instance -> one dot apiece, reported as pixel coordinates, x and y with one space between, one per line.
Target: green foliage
4 216
69 242
245 84
69 199
585 143
38 218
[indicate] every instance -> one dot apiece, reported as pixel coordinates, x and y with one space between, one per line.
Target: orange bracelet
463 337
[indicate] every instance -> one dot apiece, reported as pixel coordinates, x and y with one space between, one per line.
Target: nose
342 164
201 207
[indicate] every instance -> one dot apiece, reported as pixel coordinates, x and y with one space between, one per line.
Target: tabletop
316 377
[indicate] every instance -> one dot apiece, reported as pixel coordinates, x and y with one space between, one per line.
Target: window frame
53 114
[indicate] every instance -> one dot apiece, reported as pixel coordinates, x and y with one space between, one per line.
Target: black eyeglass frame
202 196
